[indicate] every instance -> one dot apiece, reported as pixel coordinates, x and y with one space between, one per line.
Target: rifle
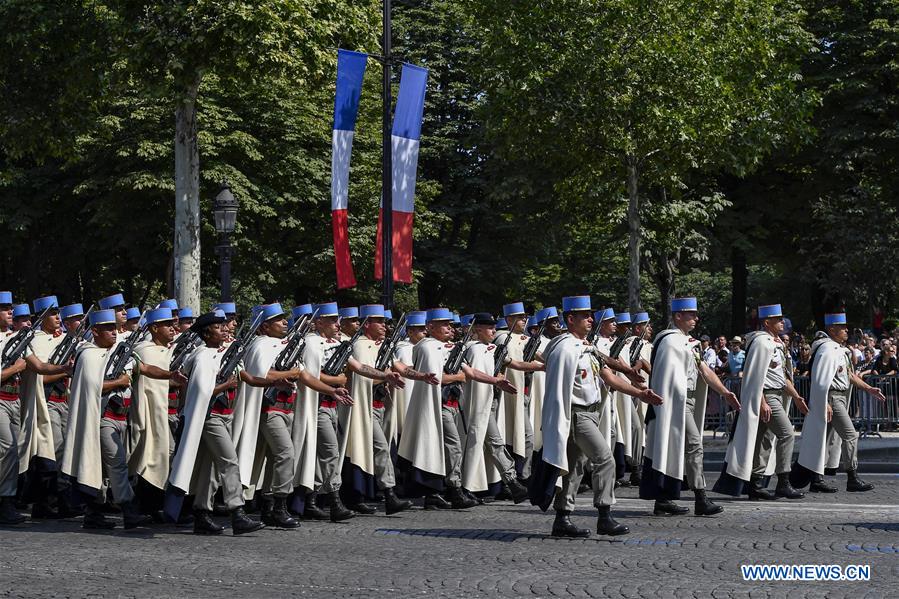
292 352
187 342
637 345
116 363
617 346
338 360
533 344
233 355
453 365
16 346
66 349
385 355
235 352
499 356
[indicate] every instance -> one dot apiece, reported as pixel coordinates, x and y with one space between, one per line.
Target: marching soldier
206 456
832 378
639 353
483 438
673 433
572 435
149 428
230 311
511 408
764 387
430 451
116 303
549 318
132 320
5 312
349 322
316 356
366 448
415 332
185 318
37 451
11 423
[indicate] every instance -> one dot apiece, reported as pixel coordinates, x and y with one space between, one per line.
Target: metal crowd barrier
870 416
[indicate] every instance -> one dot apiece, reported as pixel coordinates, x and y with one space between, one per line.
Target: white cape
828 357
150 432
665 434
741 449
561 356
422 442
81 454
36 432
258 360
478 470
201 367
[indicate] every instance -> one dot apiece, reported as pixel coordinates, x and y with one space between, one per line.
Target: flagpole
386 169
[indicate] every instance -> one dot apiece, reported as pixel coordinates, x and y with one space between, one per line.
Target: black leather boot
205 525
704 505
563 527
517 490
132 516
242 524
266 504
95 520
459 500
635 477
666 507
311 511
8 513
394 504
280 516
819 486
606 525
855 484
65 508
759 493
435 501
42 510
339 512
362 508
785 489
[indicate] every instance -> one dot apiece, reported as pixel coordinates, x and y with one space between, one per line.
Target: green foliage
765 126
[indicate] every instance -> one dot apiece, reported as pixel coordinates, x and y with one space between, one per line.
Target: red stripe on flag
402 246
342 258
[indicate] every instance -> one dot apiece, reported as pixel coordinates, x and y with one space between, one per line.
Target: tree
169 48
644 92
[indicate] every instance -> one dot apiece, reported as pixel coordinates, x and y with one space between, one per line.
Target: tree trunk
187 202
665 281
633 243
739 276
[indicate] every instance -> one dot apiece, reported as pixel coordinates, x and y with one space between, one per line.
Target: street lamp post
224 210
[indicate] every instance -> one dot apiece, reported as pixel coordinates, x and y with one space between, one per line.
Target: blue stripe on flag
350 70
410 102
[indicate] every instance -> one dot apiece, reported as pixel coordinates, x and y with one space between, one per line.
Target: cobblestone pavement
494 550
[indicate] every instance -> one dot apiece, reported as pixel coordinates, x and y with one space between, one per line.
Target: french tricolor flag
405 137
350 70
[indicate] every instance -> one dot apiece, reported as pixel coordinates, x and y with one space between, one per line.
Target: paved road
495 550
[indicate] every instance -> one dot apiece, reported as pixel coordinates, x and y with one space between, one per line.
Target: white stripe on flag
405 162
341 149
